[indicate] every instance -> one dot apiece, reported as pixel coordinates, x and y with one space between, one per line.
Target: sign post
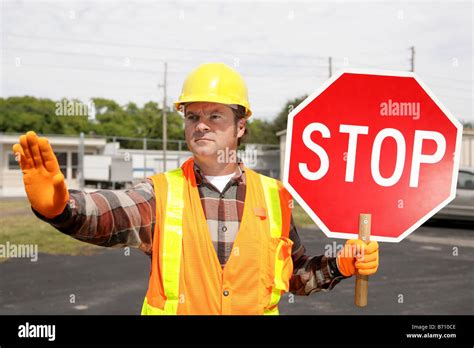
362 281
372 142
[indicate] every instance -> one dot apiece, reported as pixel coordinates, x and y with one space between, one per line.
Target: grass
300 217
18 225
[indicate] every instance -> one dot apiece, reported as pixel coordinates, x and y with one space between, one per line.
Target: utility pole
165 123
80 160
144 157
412 60
330 66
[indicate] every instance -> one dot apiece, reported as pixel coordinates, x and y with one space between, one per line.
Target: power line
447 78
277 76
412 59
456 96
84 54
147 71
106 69
128 57
308 75
360 64
131 58
102 43
451 88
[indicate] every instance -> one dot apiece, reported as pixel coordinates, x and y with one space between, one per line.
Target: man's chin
204 151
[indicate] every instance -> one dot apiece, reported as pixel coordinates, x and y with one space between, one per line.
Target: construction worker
220 236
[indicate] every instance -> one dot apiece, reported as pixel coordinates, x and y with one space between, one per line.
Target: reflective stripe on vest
272 200
172 244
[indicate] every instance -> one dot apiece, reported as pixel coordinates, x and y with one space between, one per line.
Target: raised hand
43 180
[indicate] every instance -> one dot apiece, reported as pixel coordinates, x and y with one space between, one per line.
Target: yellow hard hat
217 83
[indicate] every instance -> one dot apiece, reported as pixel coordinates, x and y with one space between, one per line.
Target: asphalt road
421 275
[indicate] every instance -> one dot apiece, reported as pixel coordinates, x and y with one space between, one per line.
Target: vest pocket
152 308
283 265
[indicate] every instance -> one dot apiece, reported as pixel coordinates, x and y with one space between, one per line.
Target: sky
117 49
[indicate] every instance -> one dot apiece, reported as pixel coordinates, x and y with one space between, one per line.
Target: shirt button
226 293
224 228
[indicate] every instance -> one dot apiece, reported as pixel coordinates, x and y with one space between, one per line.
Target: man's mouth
199 139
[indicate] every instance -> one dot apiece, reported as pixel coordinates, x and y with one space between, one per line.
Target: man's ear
241 127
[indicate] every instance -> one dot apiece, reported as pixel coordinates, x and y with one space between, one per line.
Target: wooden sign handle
362 281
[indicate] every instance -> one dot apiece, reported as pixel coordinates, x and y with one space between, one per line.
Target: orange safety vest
186 276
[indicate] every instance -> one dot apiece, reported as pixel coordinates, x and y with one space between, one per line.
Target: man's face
210 128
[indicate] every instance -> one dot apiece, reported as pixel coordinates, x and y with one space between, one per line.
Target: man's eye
191 117
215 116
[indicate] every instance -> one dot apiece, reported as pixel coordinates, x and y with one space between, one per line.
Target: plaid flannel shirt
119 218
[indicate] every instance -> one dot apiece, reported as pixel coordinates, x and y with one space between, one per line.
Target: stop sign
372 142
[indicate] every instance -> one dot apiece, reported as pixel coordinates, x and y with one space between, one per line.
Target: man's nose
202 126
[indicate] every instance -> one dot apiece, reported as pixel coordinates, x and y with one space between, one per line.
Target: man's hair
239 114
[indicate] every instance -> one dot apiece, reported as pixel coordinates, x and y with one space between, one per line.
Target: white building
467 148
261 158
66 149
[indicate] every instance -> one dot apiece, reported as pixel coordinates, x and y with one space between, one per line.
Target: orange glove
357 257
44 182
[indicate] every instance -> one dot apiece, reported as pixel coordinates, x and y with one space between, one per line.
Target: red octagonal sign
372 142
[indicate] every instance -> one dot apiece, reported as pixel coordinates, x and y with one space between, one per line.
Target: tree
21 114
260 132
281 121
264 132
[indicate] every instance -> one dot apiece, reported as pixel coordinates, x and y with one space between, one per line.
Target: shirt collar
238 178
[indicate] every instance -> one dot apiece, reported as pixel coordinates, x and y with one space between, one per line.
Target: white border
321 89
